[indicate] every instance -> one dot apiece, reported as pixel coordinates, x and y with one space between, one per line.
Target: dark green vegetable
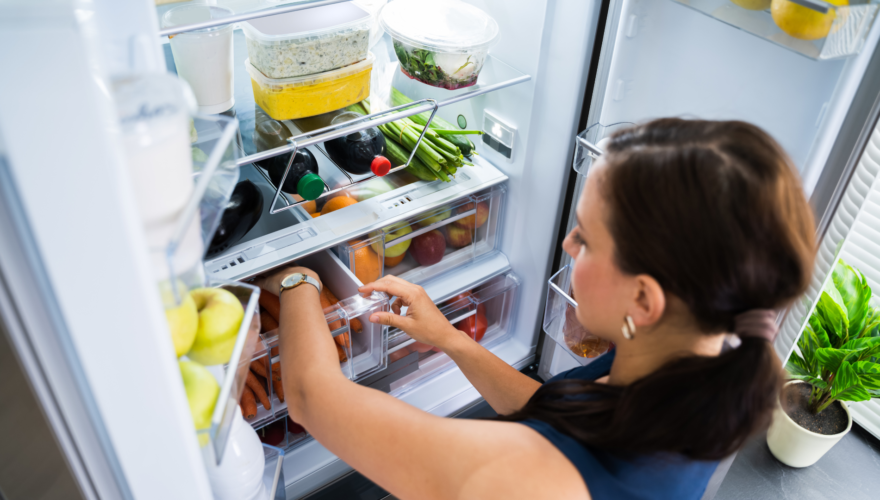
399 156
464 145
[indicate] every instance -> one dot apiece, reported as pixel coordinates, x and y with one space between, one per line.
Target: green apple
220 316
183 321
202 391
436 217
392 232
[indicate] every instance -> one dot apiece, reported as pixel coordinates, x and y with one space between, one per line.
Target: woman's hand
272 282
423 320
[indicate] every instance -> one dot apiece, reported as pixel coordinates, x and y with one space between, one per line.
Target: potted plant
839 360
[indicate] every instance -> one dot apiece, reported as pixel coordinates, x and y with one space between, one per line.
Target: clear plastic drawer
362 344
561 323
485 313
430 243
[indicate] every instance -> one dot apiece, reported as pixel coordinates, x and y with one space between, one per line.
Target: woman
687 230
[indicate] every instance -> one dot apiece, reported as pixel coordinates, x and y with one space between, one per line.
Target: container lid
310 186
306 80
195 13
441 25
315 22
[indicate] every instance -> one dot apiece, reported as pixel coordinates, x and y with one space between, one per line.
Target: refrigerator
79 297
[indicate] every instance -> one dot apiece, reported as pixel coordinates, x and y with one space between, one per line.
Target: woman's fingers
392 320
391 285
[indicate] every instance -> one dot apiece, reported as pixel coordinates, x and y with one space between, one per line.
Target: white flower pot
795 446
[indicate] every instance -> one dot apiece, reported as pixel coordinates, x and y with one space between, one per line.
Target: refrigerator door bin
273 474
363 344
232 375
813 28
589 144
485 312
561 323
431 243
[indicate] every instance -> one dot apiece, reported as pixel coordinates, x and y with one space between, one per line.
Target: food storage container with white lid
443 43
308 41
299 97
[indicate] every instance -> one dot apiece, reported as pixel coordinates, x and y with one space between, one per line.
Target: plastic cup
204 57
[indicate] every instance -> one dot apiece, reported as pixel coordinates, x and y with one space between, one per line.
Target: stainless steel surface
302 5
340 130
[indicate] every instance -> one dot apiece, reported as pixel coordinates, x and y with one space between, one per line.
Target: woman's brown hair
715 212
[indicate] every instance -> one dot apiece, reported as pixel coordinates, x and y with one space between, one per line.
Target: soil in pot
795 401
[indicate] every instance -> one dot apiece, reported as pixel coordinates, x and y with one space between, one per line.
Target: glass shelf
845 38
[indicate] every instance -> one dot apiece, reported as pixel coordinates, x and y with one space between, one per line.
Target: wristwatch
296 279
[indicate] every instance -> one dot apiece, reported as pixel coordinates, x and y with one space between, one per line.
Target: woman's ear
649 302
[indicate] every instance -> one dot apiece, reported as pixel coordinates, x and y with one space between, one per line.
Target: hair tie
760 323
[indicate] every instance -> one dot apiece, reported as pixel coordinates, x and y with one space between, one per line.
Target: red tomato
476 325
457 298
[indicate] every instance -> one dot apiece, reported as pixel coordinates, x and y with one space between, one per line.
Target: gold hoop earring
628 328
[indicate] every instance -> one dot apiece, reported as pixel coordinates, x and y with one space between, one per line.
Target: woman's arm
408 452
502 386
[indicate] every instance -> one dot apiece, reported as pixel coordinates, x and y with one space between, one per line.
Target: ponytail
714 211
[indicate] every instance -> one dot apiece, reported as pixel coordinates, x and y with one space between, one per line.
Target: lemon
802 22
753 4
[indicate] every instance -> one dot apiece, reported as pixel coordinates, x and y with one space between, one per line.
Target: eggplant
240 216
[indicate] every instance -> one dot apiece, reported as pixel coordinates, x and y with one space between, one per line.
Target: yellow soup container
310 95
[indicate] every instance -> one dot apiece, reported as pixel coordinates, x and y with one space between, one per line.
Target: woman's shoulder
662 476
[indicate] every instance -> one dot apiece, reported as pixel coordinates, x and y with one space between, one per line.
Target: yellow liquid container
310 95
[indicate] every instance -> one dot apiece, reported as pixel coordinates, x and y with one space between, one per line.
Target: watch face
291 280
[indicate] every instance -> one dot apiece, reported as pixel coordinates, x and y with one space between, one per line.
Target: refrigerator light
498 135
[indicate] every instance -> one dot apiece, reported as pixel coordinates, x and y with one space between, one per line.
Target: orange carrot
257 387
356 325
248 403
276 371
327 302
274 351
341 353
271 304
267 321
258 366
279 389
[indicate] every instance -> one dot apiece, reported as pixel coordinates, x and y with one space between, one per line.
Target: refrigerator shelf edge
284 245
845 35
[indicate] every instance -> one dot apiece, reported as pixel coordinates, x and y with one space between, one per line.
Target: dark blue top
665 476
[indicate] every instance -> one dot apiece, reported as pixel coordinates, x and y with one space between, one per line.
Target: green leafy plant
840 346
421 65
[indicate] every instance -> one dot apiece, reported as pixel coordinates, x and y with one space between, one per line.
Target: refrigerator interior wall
670 60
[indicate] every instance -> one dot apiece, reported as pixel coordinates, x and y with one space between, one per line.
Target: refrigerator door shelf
590 144
841 30
485 311
232 375
561 323
431 243
178 244
273 474
269 245
363 343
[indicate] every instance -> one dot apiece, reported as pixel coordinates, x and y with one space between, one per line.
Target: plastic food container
309 41
204 57
442 43
290 98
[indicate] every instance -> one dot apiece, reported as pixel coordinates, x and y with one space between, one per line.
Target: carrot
279 389
258 366
274 351
341 353
327 302
342 340
356 325
267 321
276 371
270 302
248 403
257 387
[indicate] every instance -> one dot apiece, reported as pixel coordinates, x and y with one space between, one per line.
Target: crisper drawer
430 243
561 323
362 345
485 313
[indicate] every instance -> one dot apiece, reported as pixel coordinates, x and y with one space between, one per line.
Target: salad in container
442 43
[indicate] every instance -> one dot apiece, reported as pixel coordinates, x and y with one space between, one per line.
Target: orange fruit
310 206
315 214
364 262
337 203
393 261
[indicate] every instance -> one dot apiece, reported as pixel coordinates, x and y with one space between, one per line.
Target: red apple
475 326
428 248
293 427
459 237
273 433
473 221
